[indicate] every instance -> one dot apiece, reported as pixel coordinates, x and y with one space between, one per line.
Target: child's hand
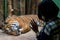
34 26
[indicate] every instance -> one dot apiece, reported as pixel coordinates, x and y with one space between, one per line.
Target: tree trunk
10 8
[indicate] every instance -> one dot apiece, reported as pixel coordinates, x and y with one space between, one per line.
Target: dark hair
48 9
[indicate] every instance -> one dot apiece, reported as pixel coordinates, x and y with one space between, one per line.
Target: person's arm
41 35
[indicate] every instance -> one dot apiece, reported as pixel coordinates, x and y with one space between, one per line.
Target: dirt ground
27 36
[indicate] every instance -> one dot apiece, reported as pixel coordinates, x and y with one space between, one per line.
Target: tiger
16 25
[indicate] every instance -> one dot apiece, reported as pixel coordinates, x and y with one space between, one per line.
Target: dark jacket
49 10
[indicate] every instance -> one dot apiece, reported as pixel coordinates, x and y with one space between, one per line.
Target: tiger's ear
9 16
10 12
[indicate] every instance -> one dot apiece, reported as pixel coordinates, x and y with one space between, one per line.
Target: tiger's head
12 28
